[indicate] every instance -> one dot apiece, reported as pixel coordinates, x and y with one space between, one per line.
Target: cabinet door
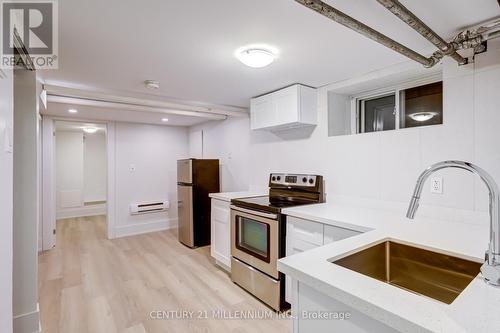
301 235
333 234
263 112
220 248
286 104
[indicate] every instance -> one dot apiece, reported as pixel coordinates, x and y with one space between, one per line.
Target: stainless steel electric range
258 231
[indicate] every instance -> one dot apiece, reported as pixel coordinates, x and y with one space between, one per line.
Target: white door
69 166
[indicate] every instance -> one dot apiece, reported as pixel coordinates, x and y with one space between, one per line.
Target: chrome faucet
491 267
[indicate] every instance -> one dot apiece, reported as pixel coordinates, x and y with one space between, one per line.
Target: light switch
132 168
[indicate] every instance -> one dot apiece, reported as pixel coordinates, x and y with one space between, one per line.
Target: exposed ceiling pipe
353 24
403 13
474 38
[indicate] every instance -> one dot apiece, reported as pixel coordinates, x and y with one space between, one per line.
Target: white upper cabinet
290 107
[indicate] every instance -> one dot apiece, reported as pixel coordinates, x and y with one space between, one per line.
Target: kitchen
311 204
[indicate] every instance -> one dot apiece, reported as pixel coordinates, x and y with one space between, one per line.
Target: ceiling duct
467 39
132 107
65 95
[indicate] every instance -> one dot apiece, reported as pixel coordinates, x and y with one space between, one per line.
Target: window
377 114
421 106
402 108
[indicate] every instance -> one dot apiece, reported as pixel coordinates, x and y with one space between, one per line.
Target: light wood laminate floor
89 284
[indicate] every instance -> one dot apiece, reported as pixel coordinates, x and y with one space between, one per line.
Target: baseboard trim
28 322
93 210
143 228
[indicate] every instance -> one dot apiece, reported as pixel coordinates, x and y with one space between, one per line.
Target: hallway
89 284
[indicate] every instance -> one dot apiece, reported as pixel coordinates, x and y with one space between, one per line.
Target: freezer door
185 171
185 212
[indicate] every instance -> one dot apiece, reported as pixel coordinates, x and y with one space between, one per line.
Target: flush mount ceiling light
152 84
422 116
164 120
256 57
90 129
73 111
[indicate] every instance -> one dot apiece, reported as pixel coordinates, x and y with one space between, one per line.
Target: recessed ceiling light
164 120
73 111
90 130
257 57
152 84
422 116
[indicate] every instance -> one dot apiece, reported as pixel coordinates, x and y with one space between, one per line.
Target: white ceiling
188 45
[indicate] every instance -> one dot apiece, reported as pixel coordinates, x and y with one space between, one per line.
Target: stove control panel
295 180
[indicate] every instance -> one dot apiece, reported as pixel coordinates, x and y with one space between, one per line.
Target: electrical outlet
437 185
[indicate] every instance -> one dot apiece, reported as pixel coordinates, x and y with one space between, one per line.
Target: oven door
254 239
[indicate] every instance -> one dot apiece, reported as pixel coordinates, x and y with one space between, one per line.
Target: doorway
80 170
76 176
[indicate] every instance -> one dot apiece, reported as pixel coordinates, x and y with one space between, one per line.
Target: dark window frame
358 106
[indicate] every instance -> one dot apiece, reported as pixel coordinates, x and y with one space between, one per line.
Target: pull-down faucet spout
491 267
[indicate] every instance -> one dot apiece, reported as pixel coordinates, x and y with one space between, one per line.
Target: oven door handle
255 212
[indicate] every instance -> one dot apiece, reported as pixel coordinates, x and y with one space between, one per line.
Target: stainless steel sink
439 276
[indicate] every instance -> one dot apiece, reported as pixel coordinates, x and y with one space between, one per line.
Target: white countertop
228 196
475 310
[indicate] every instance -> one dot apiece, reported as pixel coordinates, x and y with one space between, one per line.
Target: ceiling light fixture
152 84
257 57
422 116
90 130
73 111
164 120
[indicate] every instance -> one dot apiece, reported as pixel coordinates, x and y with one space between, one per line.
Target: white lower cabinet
220 247
303 235
341 317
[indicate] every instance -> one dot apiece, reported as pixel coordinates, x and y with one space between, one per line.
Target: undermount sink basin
439 276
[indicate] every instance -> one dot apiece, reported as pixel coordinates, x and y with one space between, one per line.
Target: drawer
258 284
333 234
220 214
305 231
300 245
220 203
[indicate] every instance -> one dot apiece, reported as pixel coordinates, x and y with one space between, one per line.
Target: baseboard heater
148 207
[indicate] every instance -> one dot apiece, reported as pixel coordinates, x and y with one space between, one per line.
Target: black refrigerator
196 178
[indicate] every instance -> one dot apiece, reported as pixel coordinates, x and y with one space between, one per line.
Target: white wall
228 141
196 144
381 168
6 121
69 169
146 169
94 168
25 203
